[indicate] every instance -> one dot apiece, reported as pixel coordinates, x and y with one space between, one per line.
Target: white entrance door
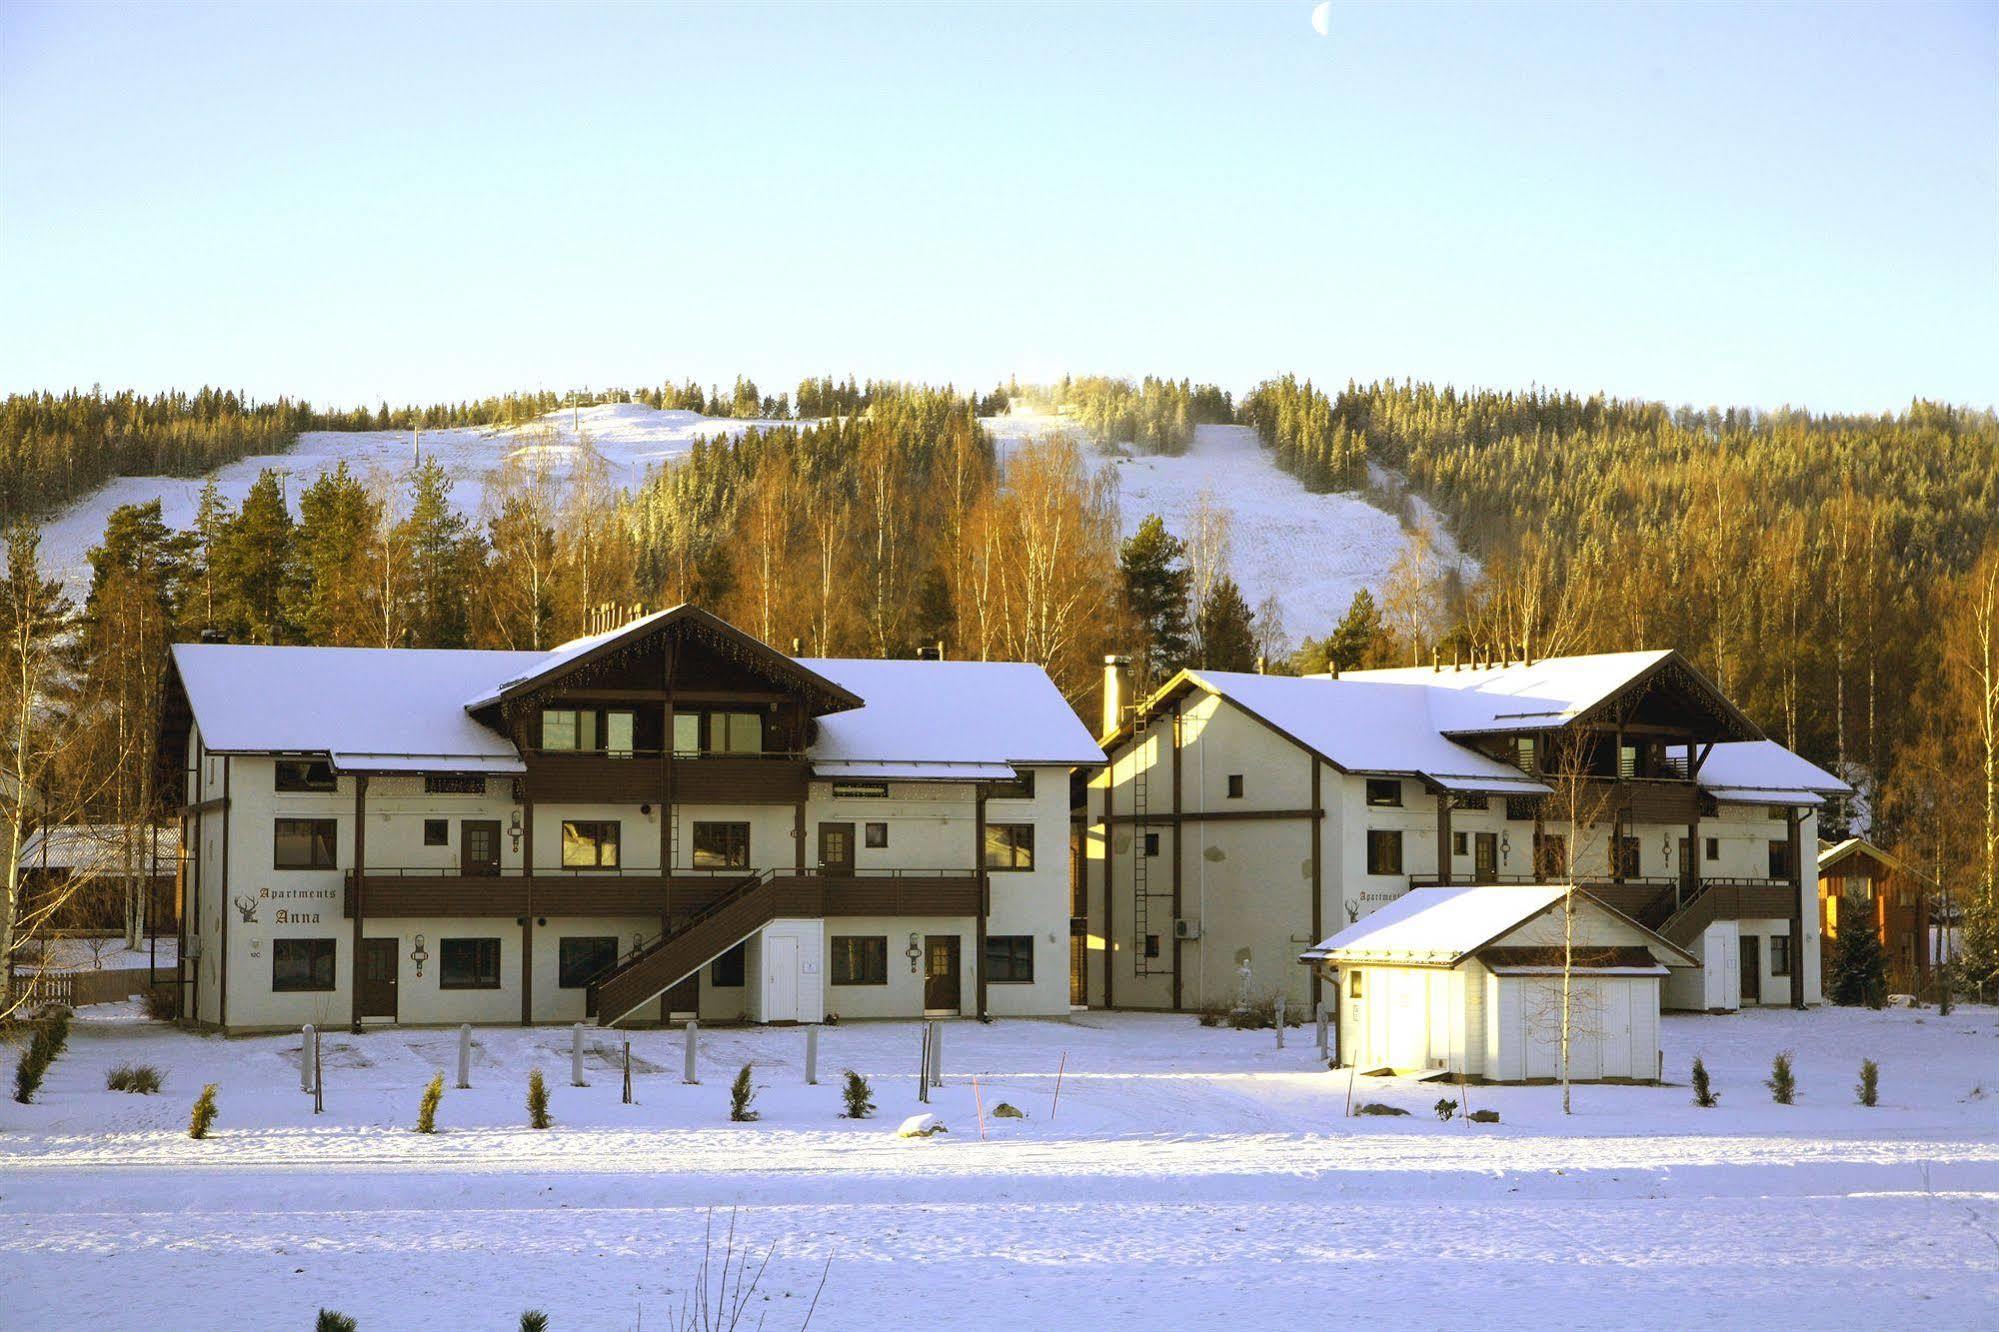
780 978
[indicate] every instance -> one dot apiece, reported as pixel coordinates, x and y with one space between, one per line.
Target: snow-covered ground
1189 1177
1313 551
632 438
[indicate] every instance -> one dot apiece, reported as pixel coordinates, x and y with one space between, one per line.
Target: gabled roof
364 705
931 716
1441 927
1763 772
1859 848
577 653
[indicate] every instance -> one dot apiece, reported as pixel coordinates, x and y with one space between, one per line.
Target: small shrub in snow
1378 1108
143 1079
34 1065
741 1096
1869 1087
1783 1084
920 1126
860 1096
204 1113
329 1321
1705 1095
534 1320
537 1100
426 1110
1445 1108
160 1003
1483 1116
1008 1110
1211 1017
56 1021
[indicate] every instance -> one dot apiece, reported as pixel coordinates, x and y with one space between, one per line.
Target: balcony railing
410 891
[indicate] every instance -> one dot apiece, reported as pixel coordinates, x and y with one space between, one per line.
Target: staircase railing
619 990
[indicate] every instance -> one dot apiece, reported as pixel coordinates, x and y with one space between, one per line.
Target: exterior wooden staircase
673 957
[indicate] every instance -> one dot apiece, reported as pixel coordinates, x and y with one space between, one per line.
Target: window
1010 958
877 835
1020 788
1714 848
1780 955
1627 761
1384 851
468 964
721 846
698 733
1152 945
588 730
1235 786
727 972
1009 846
1780 859
618 734
686 734
1628 854
304 844
1353 984
1523 753
581 958
437 832
860 959
1384 791
589 844
305 775
1460 843
1152 844
454 786
301 964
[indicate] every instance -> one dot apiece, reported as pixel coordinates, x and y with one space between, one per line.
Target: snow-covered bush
426 1110
160 1003
534 1320
860 1096
203 1115
34 1064
329 1321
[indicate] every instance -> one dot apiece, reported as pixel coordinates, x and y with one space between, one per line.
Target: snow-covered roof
1839 852
1518 696
403 702
1444 926
932 712
538 664
915 772
1763 772
1365 726
97 847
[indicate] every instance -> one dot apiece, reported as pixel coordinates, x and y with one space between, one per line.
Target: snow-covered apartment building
1244 819
669 819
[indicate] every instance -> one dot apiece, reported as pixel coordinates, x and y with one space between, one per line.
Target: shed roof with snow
1442 927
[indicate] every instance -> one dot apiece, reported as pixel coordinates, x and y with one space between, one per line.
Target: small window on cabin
302 964
1009 846
437 832
736 732
1714 848
1353 984
1152 844
468 964
1627 761
618 727
686 734
1780 955
304 844
1384 851
589 844
1152 945
1780 859
877 835
306 775
1010 958
1384 791
721 846
1235 786
580 959
1523 752
1460 843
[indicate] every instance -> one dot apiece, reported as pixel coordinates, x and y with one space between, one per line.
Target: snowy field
1313 551
1189 1177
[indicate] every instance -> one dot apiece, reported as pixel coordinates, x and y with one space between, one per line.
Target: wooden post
1317 842
1443 839
628 1070
464 1056
360 895
527 878
1795 827
1179 827
985 893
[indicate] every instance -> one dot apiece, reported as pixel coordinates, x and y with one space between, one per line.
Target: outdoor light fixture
419 955
1505 846
914 952
1666 846
514 829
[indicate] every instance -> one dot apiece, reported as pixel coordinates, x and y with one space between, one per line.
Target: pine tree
1858 971
1351 645
1226 631
337 522
443 559
258 565
1152 569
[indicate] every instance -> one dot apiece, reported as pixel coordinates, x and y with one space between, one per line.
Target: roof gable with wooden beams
662 649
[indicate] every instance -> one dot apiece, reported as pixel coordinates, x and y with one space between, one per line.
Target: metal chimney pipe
1117 685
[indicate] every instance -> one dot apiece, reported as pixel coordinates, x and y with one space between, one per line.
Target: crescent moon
1322 17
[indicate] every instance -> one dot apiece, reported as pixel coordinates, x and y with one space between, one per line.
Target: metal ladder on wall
1146 964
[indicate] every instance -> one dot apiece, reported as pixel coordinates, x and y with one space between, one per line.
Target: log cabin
1861 886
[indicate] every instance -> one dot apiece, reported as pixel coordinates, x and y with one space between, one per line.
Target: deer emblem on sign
248 906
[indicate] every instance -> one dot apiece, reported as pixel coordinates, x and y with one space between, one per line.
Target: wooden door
1752 970
940 976
836 848
479 848
1485 857
378 978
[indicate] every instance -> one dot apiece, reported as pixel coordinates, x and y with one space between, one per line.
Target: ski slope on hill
1312 551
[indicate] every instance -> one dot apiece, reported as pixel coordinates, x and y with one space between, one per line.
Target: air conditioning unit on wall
1183 928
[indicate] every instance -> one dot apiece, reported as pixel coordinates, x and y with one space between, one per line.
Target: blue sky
1698 203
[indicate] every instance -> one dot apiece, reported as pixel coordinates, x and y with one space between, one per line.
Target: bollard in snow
1280 1022
812 1056
464 1056
936 1054
576 1056
687 1072
1321 1016
305 1058
318 1078
923 1066
628 1071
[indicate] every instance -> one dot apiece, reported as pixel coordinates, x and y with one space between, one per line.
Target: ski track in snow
1191 1177
1313 551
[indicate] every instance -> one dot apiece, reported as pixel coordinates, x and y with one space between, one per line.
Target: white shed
1468 980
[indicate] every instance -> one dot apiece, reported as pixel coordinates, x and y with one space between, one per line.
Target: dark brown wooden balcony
403 893
637 777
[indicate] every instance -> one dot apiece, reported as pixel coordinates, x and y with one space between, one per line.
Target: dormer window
717 732
587 730
1384 791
